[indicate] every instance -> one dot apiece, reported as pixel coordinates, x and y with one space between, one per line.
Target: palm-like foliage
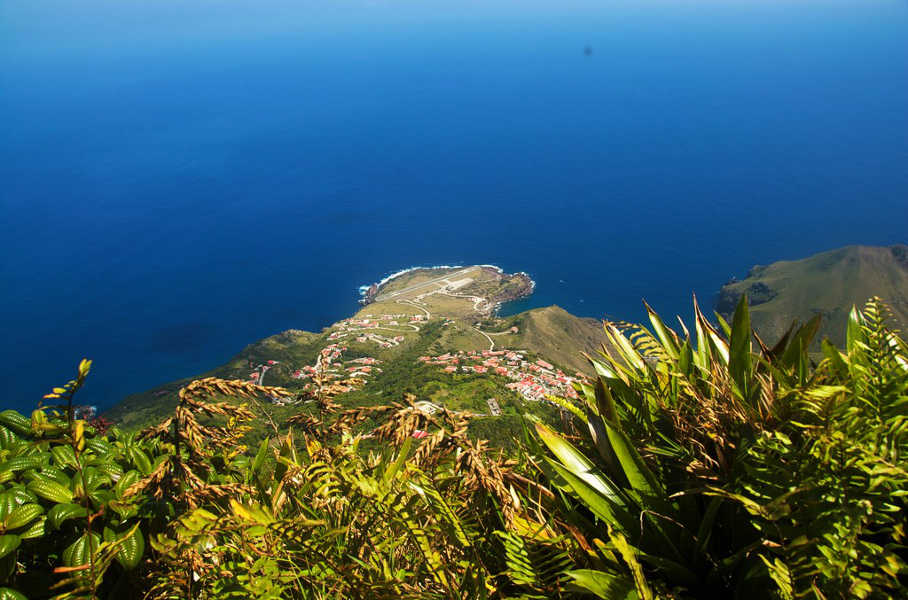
723 470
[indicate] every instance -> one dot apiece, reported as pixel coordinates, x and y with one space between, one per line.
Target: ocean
180 178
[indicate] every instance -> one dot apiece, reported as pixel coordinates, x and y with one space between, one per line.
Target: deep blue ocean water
179 178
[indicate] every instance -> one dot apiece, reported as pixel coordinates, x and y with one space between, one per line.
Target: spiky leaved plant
683 497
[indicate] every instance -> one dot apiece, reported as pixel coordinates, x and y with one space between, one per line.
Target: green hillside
829 284
402 341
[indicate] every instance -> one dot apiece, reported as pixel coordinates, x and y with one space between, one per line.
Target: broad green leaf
141 460
125 482
607 505
64 456
62 512
7 504
603 370
21 463
566 453
11 594
22 516
130 545
51 490
709 340
35 530
795 354
609 586
685 358
8 543
16 422
394 467
641 479
78 552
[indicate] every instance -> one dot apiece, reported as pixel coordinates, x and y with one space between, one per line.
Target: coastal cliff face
826 284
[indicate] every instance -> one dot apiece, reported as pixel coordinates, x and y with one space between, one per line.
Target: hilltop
828 283
432 332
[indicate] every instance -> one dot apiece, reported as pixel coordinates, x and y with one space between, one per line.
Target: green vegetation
826 284
703 465
550 333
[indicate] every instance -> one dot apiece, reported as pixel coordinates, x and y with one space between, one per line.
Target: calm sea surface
181 178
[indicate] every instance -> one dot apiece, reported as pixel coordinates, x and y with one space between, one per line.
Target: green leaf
723 324
609 586
608 505
51 490
666 336
573 459
125 482
141 460
641 479
16 422
21 463
260 456
131 546
835 357
739 360
685 358
22 516
628 353
64 456
61 512
8 543
10 594
7 504
35 530
78 553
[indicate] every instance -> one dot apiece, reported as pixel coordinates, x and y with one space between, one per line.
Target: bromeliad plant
716 466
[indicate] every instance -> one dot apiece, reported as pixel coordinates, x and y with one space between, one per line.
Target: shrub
721 471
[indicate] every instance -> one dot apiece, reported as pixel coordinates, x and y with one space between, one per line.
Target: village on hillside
329 376
364 329
533 380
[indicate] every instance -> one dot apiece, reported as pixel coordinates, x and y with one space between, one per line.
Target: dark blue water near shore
181 178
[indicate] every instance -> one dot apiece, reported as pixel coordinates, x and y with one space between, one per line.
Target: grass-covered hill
445 315
829 284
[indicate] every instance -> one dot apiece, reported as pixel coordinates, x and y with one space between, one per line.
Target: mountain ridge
827 283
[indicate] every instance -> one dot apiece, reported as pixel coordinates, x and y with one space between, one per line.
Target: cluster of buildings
534 380
364 329
258 374
330 373
330 365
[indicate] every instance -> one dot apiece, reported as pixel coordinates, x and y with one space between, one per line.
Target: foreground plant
68 524
184 510
719 470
